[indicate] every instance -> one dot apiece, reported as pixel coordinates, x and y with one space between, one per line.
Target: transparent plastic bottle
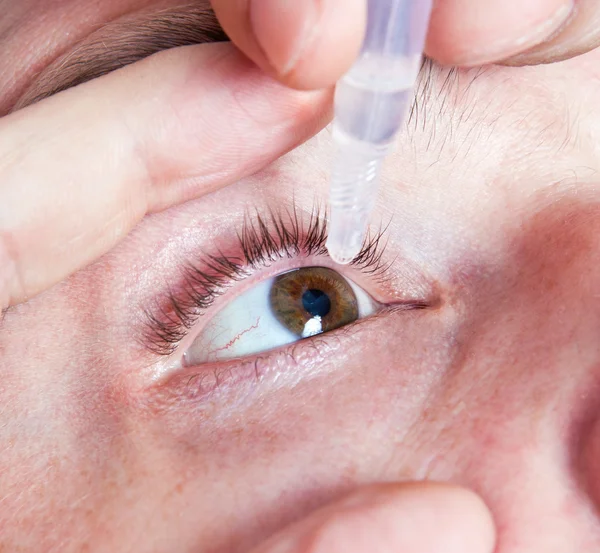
371 103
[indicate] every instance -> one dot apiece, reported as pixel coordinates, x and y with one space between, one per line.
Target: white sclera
247 325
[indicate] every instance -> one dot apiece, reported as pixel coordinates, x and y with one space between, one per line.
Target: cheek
588 462
296 447
61 422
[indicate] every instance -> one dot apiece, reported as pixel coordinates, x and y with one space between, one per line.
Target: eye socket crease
264 239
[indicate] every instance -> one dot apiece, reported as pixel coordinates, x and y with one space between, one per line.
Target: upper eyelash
260 245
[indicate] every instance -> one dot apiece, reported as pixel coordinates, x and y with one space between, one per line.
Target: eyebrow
125 41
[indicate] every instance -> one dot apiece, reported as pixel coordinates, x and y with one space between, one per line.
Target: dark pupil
316 302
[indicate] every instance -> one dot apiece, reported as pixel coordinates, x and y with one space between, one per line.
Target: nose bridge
504 420
535 504
528 482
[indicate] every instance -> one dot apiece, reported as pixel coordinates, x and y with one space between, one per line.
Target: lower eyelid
230 382
234 380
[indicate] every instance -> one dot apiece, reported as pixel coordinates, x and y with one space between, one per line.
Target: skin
462 32
493 388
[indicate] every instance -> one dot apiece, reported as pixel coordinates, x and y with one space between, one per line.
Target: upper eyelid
264 239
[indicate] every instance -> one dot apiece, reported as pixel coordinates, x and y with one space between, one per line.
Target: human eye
281 310
264 287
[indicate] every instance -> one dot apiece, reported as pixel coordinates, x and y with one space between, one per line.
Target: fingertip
463 32
464 518
411 518
438 518
579 35
308 45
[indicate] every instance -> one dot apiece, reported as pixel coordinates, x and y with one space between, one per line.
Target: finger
470 32
307 44
80 169
580 34
401 518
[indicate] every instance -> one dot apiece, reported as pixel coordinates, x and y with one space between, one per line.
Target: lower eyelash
263 240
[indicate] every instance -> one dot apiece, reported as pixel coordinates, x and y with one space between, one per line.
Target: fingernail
284 29
524 38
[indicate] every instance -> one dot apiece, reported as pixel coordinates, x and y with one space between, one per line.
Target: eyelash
260 245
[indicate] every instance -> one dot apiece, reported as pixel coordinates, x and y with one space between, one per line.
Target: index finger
307 44
80 169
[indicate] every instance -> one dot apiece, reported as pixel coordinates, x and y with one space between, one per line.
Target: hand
80 169
394 518
309 44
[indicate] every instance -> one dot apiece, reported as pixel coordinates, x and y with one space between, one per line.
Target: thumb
80 169
393 518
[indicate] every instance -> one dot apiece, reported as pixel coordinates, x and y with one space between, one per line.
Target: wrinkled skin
494 205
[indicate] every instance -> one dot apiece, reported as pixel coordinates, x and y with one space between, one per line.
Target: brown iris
313 294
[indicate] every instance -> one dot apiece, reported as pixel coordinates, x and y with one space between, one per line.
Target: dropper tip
345 237
340 256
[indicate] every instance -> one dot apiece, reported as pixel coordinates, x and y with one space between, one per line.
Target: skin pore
491 204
